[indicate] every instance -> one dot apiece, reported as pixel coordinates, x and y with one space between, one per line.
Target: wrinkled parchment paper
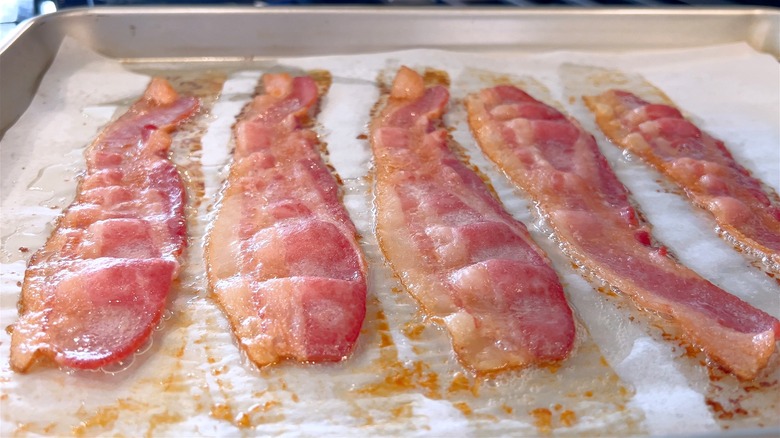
628 374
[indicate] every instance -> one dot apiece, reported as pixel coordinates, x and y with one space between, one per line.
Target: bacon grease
466 260
698 163
92 295
282 256
559 165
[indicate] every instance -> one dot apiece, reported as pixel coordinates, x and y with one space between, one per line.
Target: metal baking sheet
165 33
227 395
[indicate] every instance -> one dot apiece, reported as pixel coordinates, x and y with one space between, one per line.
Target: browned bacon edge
559 165
468 263
283 260
94 292
743 207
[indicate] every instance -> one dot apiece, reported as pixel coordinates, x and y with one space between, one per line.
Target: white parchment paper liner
194 381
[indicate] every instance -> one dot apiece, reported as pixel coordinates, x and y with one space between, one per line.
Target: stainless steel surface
187 34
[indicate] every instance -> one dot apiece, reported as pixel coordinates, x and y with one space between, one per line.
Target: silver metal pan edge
214 33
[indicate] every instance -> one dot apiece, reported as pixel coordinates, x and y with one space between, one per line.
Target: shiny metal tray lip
766 17
394 12
215 33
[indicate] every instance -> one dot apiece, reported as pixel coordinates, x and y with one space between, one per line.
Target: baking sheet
192 34
624 377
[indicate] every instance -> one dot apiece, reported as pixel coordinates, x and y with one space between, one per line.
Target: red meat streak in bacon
695 161
92 295
282 256
468 262
560 166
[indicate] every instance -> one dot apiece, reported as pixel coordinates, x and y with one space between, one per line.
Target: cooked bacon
94 292
468 262
559 165
282 256
698 163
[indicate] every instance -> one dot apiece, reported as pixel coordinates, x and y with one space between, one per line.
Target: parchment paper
627 375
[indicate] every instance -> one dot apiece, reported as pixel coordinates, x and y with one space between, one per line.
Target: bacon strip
94 292
559 165
467 261
282 256
698 163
